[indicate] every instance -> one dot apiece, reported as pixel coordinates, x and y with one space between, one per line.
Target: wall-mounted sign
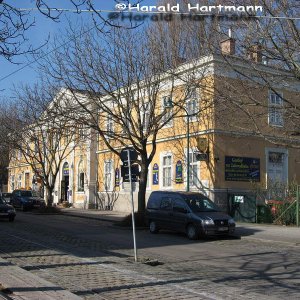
117 177
242 168
155 172
179 176
66 169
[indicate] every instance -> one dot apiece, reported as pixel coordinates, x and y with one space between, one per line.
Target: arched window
80 176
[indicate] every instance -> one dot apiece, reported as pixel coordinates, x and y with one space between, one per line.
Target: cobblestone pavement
98 269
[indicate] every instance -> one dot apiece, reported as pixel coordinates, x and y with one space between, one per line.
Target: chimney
228 45
255 53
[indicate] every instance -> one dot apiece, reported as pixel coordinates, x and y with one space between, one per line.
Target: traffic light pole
132 206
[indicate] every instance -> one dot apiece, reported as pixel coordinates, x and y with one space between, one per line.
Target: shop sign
179 175
242 168
155 174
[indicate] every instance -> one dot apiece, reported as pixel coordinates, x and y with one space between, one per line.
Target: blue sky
43 29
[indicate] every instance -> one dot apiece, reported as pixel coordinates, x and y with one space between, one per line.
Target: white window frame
285 162
275 109
169 112
12 182
193 163
145 116
109 127
80 170
112 175
193 97
149 178
19 182
162 168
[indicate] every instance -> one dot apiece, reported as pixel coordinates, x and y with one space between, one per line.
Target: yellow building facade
229 154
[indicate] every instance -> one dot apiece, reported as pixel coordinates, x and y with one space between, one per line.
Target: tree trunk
142 187
49 195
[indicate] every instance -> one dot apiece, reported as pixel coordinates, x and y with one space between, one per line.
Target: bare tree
17 21
132 96
267 46
39 135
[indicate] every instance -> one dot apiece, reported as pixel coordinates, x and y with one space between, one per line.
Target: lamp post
169 104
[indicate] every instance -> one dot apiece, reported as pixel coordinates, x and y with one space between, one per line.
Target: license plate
223 229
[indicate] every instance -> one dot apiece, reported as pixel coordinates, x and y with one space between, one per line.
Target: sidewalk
19 284
103 215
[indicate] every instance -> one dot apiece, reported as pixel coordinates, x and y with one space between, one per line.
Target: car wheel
11 219
191 232
153 227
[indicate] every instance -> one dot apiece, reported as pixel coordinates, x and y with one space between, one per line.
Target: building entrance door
65 183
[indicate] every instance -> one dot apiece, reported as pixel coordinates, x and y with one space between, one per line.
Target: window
108 175
149 177
12 182
19 154
275 109
80 177
81 132
36 146
19 181
167 170
109 127
167 110
193 176
178 205
145 116
192 104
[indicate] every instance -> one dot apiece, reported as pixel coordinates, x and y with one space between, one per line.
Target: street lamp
169 104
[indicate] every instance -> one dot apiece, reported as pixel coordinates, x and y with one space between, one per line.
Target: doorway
65 183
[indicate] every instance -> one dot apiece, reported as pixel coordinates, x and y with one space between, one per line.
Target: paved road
93 259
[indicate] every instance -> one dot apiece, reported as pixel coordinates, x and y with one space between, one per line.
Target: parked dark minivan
189 212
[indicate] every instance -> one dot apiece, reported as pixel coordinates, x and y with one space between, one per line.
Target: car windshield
201 204
26 194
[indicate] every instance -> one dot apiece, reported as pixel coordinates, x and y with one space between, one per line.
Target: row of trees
119 75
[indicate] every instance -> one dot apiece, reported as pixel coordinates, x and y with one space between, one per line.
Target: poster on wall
117 177
242 169
179 176
155 174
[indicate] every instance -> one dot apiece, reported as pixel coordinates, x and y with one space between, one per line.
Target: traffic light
135 172
132 154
